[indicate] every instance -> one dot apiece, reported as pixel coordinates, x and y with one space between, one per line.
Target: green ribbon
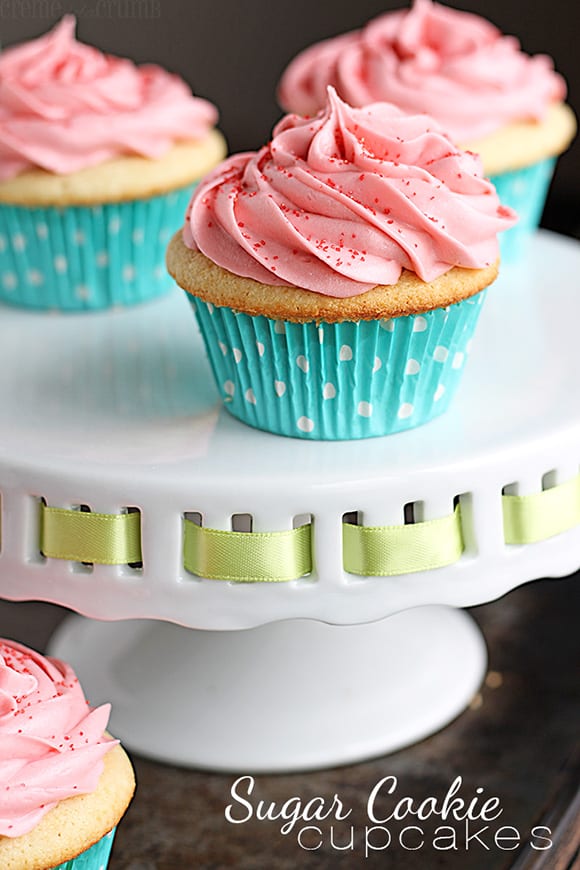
104 539
368 551
247 557
531 518
385 551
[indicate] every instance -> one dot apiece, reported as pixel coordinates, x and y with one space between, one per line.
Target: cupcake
65 784
337 274
98 158
487 94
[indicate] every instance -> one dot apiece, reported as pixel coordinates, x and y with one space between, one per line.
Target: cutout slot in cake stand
118 410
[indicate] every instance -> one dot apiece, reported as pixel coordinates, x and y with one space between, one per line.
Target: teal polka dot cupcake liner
338 381
524 190
95 858
86 258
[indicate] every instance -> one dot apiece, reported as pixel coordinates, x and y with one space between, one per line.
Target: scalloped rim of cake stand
115 410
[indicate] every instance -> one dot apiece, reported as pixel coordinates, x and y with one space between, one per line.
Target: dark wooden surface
519 740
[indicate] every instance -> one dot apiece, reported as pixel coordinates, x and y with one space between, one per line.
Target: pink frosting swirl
51 742
65 106
346 201
452 65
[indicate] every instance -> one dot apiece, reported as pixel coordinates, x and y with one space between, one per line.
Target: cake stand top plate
119 409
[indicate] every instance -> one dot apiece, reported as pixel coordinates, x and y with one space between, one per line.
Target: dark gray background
233 51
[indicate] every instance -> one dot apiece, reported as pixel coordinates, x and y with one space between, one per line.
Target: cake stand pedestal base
287 696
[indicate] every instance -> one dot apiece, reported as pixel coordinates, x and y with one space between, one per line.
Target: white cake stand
118 410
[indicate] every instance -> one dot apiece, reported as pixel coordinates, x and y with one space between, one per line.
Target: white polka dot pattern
405 411
35 277
83 258
9 280
362 380
305 424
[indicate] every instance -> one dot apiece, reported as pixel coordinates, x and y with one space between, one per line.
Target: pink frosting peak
65 106
345 201
450 64
51 742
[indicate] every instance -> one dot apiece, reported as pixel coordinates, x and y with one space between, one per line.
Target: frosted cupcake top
65 106
452 65
51 742
344 202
